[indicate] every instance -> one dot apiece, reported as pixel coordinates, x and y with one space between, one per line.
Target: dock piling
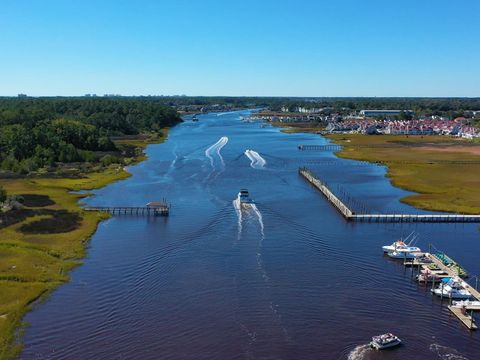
153 208
352 215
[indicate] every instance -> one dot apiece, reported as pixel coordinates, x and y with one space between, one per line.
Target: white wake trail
360 352
260 244
216 147
238 210
260 219
256 160
222 144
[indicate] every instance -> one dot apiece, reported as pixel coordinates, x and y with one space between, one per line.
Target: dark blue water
287 280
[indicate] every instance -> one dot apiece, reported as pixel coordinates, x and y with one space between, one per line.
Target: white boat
467 303
404 255
401 246
453 288
385 341
243 199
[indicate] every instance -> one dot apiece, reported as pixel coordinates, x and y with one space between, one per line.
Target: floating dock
462 309
459 312
350 214
160 208
466 319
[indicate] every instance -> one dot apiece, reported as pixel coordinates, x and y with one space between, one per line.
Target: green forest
419 105
41 132
44 132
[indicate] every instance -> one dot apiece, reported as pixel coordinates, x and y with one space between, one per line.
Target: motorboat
243 199
404 255
453 288
385 341
402 246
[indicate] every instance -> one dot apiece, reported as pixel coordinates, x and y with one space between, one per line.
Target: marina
446 283
466 319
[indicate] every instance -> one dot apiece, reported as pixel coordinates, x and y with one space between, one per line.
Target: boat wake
260 244
256 161
217 147
359 352
446 353
238 210
259 217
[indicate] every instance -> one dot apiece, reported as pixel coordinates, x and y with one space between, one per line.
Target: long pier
350 214
152 208
341 207
330 147
335 147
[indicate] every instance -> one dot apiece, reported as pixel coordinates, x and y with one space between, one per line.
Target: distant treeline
424 106
38 132
419 105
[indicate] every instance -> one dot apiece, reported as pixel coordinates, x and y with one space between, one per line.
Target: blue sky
261 48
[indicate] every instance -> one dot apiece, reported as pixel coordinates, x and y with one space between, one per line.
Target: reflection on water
285 279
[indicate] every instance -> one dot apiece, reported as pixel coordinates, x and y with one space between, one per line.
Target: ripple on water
293 281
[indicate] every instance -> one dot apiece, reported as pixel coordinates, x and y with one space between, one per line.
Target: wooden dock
463 310
344 210
424 218
329 147
466 319
452 273
350 214
459 312
152 208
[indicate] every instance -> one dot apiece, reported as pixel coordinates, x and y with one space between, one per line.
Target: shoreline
410 166
434 185
293 128
34 264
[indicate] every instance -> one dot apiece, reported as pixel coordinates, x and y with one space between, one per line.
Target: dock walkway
452 273
466 319
461 314
152 208
350 214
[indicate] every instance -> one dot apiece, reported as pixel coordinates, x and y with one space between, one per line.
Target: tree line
38 132
420 105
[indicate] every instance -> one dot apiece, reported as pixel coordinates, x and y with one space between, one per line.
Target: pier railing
153 208
351 215
344 210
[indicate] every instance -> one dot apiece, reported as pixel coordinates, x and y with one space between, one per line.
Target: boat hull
402 255
453 295
390 248
378 346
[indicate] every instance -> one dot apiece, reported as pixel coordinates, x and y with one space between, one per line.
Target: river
288 279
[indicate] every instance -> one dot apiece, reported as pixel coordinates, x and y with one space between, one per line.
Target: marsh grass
449 187
42 242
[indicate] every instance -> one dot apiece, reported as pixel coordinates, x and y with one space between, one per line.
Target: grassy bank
42 242
291 128
424 165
